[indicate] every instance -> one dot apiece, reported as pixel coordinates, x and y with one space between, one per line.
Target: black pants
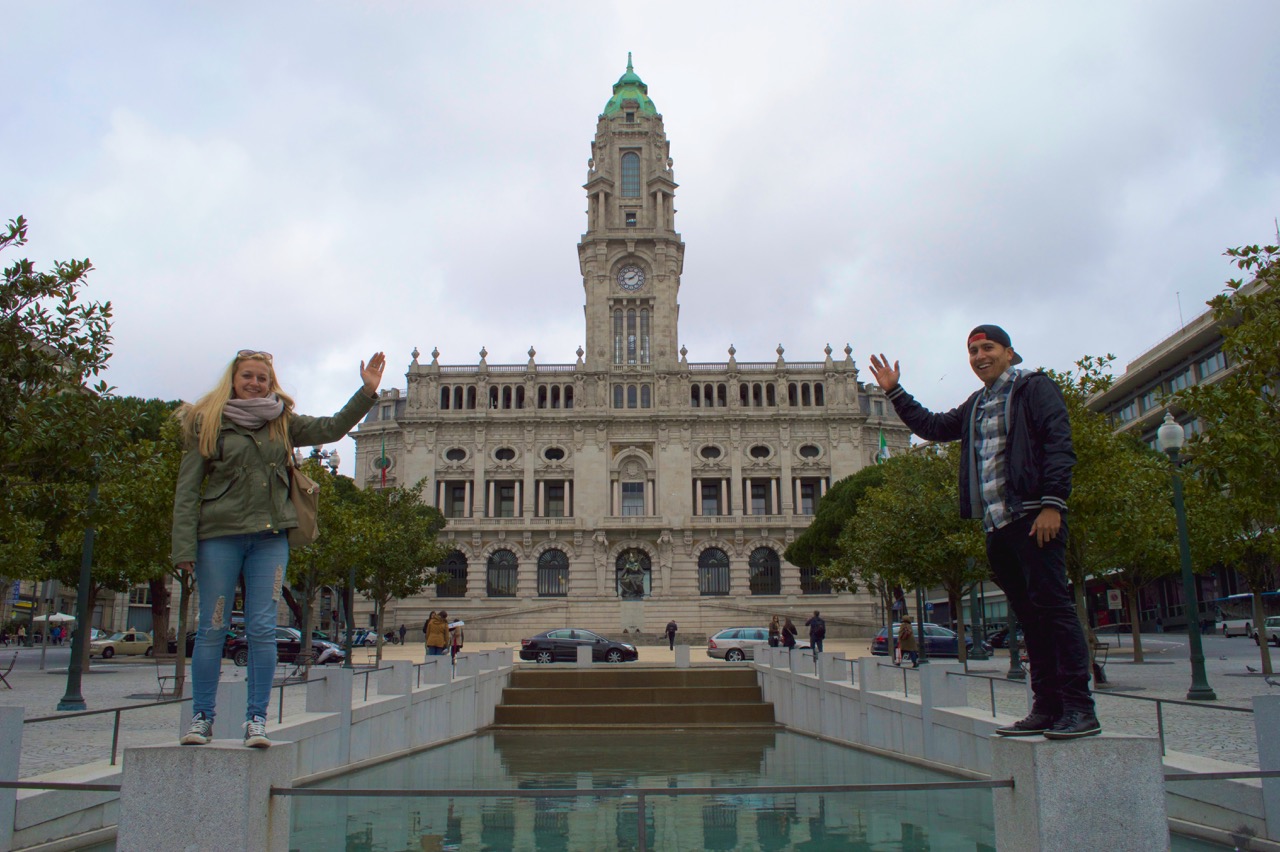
1034 580
671 641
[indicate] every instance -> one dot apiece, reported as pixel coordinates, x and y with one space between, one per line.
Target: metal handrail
115 723
366 674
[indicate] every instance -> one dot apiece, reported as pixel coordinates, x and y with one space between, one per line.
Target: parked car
734 644
288 646
127 642
561 645
1273 631
1000 639
191 643
938 641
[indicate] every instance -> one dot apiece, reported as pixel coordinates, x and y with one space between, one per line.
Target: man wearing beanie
1015 475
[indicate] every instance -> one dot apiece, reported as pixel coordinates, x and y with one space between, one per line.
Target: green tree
817 547
325 561
907 531
1238 451
395 534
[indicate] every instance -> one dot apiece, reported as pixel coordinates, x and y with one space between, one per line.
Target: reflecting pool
950 820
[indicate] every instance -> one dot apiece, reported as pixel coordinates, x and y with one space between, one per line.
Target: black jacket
1038 451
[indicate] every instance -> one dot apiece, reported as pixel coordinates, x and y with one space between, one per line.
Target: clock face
631 278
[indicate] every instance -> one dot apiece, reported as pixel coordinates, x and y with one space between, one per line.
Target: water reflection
953 820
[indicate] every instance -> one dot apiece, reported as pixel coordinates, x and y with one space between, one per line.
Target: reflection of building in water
624 759
555 476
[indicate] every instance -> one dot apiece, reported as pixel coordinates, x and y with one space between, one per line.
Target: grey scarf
253 414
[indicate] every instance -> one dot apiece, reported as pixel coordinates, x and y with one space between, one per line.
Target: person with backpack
817 631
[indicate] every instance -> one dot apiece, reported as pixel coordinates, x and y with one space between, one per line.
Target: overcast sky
323 179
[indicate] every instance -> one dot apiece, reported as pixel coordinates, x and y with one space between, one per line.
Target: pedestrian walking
1015 475
775 632
436 633
907 645
403 631
788 634
231 515
671 635
455 639
817 632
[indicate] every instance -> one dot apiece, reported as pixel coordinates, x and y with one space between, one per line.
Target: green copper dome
630 87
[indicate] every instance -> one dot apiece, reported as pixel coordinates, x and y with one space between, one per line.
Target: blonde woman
231 515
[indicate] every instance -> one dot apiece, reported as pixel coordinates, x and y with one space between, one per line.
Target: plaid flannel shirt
991 429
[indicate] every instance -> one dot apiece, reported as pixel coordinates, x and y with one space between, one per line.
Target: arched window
631 396
617 336
553 574
493 397
722 398
645 397
457 397
506 397
770 394
500 581
757 396
766 574
695 396
618 391
818 394
542 396
804 394
713 572
744 395
631 336
630 175
644 336
555 396
455 568
568 396
811 583
634 574
445 397
471 397
520 396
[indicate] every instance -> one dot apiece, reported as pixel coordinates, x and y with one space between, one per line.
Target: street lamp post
921 642
1169 439
73 700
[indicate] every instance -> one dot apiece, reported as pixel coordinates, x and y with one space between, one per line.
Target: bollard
398 680
216 796
584 656
833 665
1103 792
1266 721
682 656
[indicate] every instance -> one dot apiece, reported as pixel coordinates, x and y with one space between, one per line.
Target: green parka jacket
245 487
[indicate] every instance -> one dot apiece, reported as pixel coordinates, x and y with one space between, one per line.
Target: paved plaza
1200 730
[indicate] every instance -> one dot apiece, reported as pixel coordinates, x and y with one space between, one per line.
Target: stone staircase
628 696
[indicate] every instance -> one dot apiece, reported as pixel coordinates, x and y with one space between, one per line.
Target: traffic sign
1115 599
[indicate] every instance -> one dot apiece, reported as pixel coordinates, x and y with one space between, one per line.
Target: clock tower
631 256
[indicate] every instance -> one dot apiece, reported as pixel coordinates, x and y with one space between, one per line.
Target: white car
132 642
1273 631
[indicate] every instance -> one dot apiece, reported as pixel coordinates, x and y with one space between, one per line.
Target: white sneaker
200 732
255 733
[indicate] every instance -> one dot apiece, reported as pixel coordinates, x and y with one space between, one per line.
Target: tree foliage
1238 451
817 547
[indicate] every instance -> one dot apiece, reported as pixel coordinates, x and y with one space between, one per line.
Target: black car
939 641
288 644
1000 639
561 645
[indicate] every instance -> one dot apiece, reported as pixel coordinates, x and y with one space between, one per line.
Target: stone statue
631 578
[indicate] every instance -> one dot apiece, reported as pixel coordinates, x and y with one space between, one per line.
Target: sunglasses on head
252 353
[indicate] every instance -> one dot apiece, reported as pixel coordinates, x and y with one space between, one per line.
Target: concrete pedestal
1266 721
210 797
584 656
1104 792
10 758
682 656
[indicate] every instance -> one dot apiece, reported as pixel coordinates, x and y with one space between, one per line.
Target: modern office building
633 486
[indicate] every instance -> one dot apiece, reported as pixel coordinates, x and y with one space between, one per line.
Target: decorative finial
414 353
684 355
732 351
779 350
435 354
629 60
532 352
848 350
484 353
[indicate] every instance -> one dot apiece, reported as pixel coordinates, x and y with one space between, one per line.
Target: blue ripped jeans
261 558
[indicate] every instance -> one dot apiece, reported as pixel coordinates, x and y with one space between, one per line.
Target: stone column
1060 798
490 507
162 808
542 499
776 507
10 757
728 498
470 508
697 497
1266 721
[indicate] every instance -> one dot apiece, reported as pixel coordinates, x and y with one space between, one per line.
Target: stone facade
688 478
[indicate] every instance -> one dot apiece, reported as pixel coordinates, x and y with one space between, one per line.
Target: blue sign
928 606
17 590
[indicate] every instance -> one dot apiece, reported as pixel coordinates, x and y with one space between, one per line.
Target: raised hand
372 374
886 376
